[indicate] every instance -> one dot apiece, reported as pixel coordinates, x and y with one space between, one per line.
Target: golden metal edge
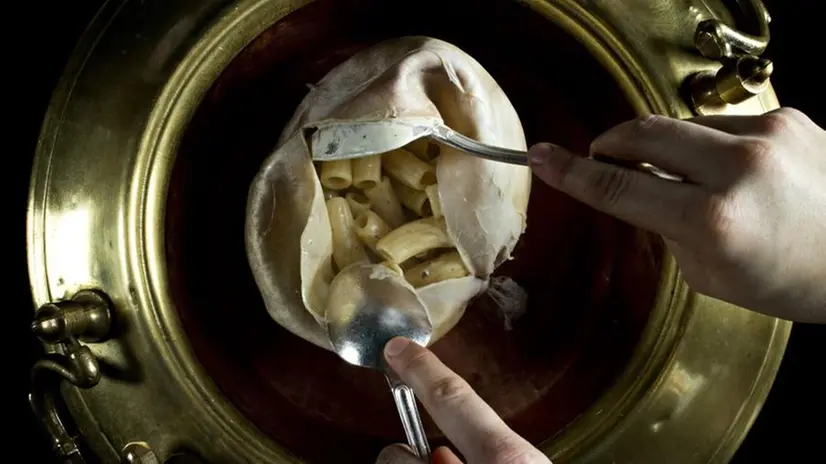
148 273
653 329
609 49
660 336
37 261
753 405
167 123
39 183
174 108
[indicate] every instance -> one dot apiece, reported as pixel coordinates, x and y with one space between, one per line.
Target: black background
789 429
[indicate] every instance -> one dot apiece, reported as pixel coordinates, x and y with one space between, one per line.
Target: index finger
683 147
644 200
473 426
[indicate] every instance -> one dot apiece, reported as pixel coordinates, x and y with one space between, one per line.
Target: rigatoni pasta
443 267
415 200
408 169
424 149
370 228
434 203
336 175
415 240
442 219
347 248
366 171
358 202
385 202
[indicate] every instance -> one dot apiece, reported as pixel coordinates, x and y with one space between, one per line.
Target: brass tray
151 317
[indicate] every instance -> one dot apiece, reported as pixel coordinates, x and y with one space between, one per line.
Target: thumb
444 455
641 199
397 454
401 454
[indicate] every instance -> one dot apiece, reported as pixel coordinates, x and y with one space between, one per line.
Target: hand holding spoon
368 305
365 138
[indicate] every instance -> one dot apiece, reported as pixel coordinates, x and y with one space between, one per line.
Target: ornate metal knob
59 325
744 73
139 453
716 40
85 316
735 82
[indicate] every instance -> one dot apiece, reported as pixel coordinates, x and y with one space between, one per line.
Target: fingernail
538 153
595 146
395 346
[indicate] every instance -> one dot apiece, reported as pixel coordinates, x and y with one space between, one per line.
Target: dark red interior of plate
591 279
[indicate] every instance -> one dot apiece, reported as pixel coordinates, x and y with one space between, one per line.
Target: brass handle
142 453
717 40
744 73
86 316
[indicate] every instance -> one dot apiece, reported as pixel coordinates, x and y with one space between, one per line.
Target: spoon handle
460 142
411 421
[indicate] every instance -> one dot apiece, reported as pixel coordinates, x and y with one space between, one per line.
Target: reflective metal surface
86 316
716 39
456 140
366 307
96 213
737 81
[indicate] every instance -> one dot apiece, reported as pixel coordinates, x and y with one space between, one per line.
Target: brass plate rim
753 404
178 102
143 242
232 31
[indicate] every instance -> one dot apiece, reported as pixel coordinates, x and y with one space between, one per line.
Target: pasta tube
425 255
385 203
347 249
416 200
409 170
366 171
443 267
432 192
357 202
329 194
336 175
393 267
369 228
423 149
413 238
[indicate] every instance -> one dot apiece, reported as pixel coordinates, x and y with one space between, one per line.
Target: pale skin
748 227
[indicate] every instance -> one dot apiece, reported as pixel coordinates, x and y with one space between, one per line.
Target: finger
646 201
692 150
397 454
769 124
444 455
732 124
473 426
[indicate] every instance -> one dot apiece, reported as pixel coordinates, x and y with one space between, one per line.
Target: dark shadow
590 279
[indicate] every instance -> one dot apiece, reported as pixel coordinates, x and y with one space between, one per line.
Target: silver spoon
368 305
453 139
366 138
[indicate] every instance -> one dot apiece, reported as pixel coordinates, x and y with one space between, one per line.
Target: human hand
470 424
748 226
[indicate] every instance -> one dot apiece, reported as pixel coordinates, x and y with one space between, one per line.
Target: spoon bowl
367 305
